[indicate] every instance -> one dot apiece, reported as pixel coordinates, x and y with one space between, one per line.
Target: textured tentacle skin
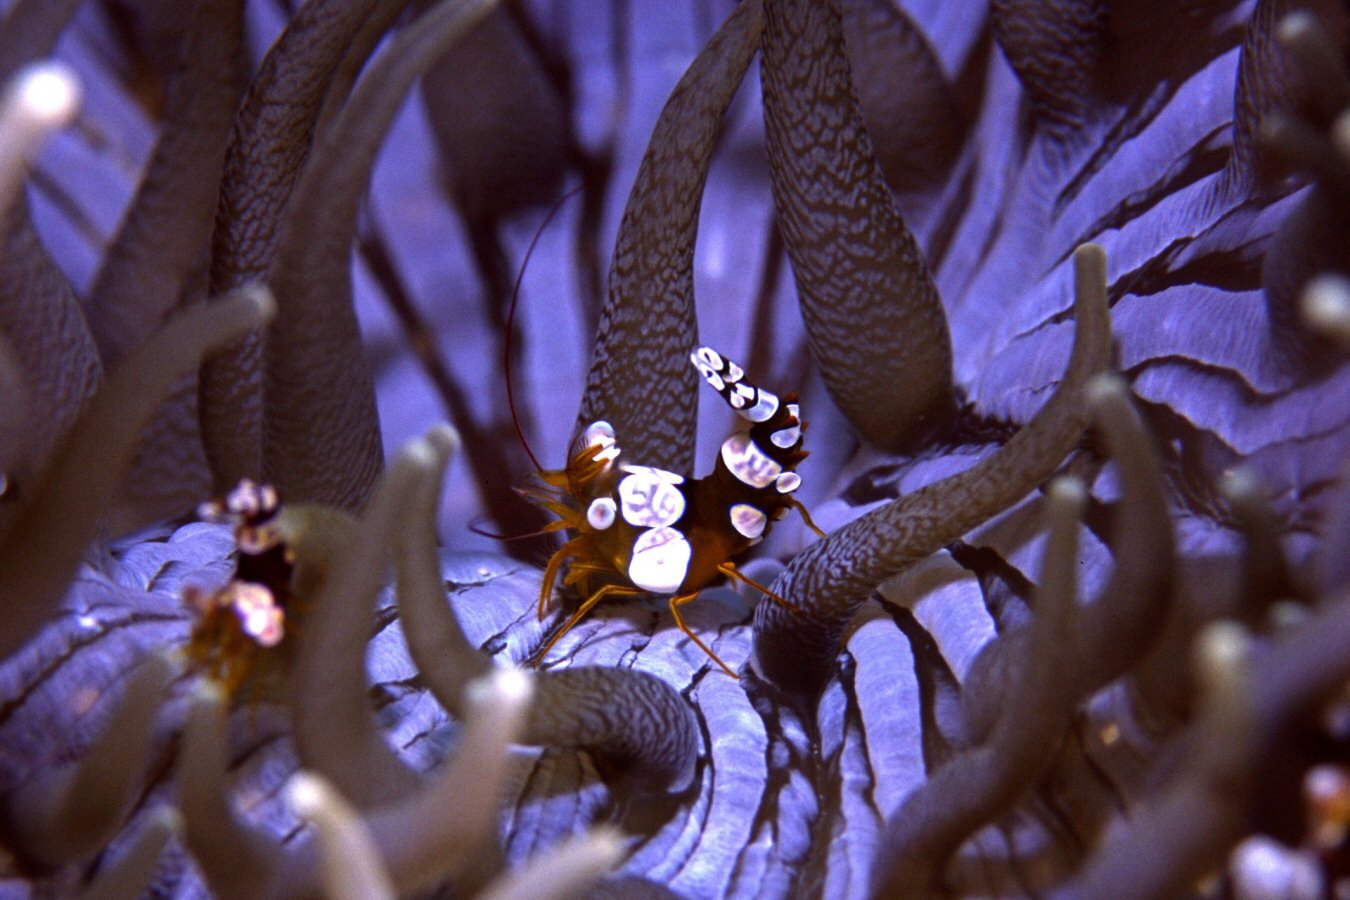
1054 47
872 312
830 579
321 438
272 137
1265 83
165 233
648 322
916 133
646 743
154 265
52 345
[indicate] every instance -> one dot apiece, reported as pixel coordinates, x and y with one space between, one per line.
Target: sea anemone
1073 323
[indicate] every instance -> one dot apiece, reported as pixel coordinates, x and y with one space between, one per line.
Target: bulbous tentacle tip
48 93
1068 491
507 686
1325 303
350 863
38 100
445 439
1223 656
1104 389
259 298
564 872
207 697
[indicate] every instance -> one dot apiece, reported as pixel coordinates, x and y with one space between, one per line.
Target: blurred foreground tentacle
43 548
236 860
830 579
52 350
446 661
130 876
68 813
1119 627
562 872
37 101
350 865
1248 709
336 733
421 843
982 783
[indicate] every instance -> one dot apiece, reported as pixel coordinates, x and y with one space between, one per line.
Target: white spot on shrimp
258 612
734 373
709 364
748 520
650 498
660 560
748 463
786 437
788 482
600 514
764 407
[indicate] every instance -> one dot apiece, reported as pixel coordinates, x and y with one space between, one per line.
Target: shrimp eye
600 514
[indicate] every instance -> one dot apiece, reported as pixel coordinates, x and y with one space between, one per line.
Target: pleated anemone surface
1063 289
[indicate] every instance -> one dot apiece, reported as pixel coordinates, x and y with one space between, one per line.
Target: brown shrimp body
638 529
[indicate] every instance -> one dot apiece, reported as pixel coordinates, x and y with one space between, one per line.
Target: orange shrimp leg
608 590
729 568
551 571
680 600
801 508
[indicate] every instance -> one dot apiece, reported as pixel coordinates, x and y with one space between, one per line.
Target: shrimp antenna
476 528
511 323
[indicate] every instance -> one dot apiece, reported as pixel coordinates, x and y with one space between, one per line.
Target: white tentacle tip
307 794
261 299
1295 26
445 437
421 453
1068 490
507 685
207 692
1104 389
1326 306
48 94
1223 653
1240 484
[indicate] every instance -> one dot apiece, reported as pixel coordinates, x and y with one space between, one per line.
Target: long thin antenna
511 322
